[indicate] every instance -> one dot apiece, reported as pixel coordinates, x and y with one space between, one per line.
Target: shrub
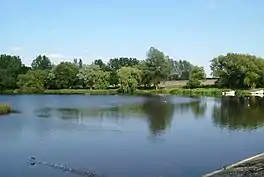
82 91
5 109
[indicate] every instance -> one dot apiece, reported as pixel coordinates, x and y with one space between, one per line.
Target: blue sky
194 30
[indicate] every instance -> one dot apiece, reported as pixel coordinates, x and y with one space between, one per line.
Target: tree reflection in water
197 107
239 113
158 110
233 113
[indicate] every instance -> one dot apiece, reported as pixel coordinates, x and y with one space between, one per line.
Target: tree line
127 74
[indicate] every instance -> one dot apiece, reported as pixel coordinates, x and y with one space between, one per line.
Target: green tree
238 70
65 75
114 65
41 63
117 63
102 65
185 69
145 74
159 66
196 74
51 82
10 68
113 78
94 77
78 62
128 79
33 81
180 70
24 69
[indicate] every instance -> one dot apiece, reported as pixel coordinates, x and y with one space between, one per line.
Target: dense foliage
238 70
128 74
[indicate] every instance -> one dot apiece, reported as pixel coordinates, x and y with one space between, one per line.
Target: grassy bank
170 91
193 92
5 109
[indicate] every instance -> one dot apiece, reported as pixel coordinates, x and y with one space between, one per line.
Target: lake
128 136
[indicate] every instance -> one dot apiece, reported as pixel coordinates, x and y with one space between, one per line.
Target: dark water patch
239 113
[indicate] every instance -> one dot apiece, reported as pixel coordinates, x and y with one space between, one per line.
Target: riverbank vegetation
5 109
131 76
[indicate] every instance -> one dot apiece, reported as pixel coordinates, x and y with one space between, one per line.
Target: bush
82 91
30 90
5 109
193 83
197 91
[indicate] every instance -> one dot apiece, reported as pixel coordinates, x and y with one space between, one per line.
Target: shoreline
246 166
166 91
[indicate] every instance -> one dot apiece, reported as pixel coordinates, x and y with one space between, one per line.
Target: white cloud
16 48
56 55
56 58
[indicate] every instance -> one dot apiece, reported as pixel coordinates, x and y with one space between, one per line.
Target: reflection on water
198 107
158 111
233 113
238 113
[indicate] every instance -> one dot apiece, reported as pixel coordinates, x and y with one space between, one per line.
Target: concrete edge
237 163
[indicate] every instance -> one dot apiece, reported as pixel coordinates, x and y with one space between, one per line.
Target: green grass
5 109
169 91
82 91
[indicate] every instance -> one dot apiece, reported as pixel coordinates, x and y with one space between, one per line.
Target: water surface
122 136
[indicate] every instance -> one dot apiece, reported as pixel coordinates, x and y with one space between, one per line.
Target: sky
193 30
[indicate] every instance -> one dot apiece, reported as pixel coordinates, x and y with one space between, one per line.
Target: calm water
128 136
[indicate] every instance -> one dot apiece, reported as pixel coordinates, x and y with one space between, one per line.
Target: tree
159 66
180 69
10 68
175 72
117 63
24 69
65 75
128 79
145 74
102 65
113 78
78 63
51 82
41 63
33 81
196 74
94 77
184 68
238 70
